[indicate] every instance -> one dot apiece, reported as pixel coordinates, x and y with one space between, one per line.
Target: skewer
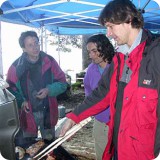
60 140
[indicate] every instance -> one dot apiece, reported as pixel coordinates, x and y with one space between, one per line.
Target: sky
11 49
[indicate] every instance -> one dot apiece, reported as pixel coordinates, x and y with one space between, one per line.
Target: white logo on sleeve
146 81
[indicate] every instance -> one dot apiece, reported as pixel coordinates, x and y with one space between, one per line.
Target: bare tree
63 42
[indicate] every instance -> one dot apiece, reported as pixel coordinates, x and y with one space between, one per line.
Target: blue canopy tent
58 16
70 16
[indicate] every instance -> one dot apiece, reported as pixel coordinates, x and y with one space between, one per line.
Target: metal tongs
60 140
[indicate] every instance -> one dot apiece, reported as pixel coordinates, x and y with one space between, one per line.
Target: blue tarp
71 16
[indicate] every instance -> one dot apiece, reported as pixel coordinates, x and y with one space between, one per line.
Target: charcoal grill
59 154
9 122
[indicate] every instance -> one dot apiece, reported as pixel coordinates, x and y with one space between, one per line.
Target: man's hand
67 126
43 93
25 106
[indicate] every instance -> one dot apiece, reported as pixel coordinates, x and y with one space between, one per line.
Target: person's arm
97 101
156 67
14 86
86 81
67 126
92 104
59 84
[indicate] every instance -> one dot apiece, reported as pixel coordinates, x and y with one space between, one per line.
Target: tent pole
45 39
59 51
145 5
1 62
41 35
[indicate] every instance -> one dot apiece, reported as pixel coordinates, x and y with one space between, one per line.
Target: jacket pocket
147 101
146 116
27 122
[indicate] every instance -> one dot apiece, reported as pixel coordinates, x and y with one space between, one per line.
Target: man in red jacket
132 90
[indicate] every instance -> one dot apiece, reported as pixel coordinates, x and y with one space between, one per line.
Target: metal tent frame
70 16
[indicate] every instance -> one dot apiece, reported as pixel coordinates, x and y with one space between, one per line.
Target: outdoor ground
81 145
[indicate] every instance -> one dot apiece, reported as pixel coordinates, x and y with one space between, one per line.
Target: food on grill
20 151
51 157
33 149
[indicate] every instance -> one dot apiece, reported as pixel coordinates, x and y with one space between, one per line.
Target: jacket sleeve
86 81
96 102
59 84
14 86
155 49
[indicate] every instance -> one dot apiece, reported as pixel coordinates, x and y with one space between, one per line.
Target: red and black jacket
139 130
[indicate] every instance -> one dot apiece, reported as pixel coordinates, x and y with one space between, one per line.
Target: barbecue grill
9 122
10 131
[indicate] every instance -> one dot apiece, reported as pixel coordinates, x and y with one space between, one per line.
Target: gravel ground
75 99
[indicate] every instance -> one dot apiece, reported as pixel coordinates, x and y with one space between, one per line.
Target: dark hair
121 11
104 46
26 34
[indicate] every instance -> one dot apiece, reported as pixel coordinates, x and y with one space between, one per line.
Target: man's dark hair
26 34
121 11
104 46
